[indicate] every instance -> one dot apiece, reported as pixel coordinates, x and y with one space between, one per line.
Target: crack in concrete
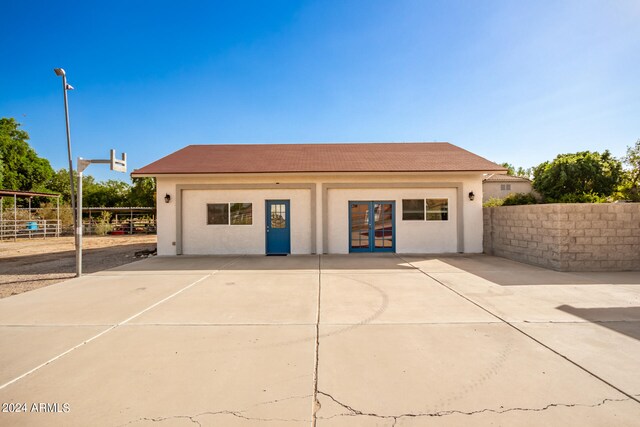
316 403
270 402
194 418
352 412
238 414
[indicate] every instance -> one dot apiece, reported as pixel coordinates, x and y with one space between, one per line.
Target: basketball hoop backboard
117 164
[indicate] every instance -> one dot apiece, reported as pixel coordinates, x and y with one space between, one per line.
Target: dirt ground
32 264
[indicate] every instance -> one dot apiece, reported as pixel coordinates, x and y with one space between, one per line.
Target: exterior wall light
471 195
167 198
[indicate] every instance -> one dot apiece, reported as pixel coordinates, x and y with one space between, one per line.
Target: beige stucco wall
566 237
201 238
194 237
411 236
492 189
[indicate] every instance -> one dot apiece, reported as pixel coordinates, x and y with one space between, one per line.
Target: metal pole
79 228
29 217
66 115
57 216
15 218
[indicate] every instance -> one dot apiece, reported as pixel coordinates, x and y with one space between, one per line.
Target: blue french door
371 227
278 227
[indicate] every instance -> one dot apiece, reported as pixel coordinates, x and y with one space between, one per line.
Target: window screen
218 213
413 209
437 209
241 213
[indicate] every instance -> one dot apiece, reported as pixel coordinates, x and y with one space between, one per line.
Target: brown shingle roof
290 158
505 178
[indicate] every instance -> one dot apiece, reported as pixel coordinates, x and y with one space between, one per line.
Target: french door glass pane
359 225
383 225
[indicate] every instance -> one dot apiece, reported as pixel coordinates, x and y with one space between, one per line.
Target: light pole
116 165
65 87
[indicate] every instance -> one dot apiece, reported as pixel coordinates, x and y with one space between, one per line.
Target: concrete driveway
355 340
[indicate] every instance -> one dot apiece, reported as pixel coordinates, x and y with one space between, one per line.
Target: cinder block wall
566 237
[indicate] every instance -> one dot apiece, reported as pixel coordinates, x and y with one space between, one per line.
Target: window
230 213
241 214
413 209
218 213
505 187
278 215
437 209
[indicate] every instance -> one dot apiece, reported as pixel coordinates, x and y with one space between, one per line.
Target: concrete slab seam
53 359
630 396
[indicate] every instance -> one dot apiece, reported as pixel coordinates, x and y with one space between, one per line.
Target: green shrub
49 211
579 198
103 225
513 199
519 199
493 202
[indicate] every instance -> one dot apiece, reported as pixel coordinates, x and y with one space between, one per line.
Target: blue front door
278 227
371 227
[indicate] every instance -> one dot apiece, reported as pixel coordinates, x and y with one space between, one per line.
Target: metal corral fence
30 223
30 228
115 221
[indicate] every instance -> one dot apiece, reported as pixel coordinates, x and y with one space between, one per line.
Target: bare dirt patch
32 264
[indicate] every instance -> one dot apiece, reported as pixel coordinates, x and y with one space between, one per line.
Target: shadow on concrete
497 270
504 272
94 260
625 320
307 263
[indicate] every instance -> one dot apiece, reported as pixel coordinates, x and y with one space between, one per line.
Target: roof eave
135 174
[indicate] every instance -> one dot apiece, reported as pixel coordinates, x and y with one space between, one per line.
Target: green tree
22 169
630 188
520 171
108 194
59 183
511 170
571 176
1 169
112 193
525 173
143 192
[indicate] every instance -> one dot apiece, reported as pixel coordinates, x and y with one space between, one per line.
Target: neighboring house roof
495 177
291 158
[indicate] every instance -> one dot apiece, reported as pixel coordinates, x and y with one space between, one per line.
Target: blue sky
510 80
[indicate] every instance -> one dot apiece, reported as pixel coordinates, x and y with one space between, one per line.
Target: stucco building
499 186
319 198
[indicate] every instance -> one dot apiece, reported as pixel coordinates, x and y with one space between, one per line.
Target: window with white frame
229 213
413 209
241 213
425 209
437 209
